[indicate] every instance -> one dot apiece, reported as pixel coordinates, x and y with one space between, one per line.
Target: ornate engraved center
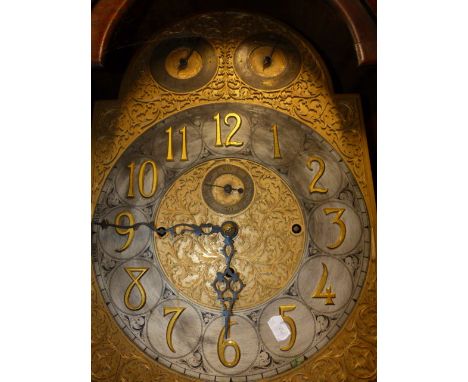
268 253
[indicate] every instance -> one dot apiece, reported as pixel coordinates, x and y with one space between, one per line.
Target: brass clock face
241 189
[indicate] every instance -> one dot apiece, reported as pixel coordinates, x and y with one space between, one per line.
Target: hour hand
267 60
227 286
183 62
227 188
228 229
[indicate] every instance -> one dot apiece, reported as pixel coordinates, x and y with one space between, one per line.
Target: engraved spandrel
264 361
194 362
352 261
338 281
335 227
174 328
113 199
137 324
107 265
116 243
135 287
296 314
323 324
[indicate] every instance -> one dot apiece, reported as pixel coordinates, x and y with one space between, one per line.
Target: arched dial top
301 248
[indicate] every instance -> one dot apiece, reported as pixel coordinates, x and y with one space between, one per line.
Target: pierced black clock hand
267 60
227 284
183 62
178 229
227 188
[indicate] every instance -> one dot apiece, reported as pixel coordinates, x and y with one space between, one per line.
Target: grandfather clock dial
299 259
233 215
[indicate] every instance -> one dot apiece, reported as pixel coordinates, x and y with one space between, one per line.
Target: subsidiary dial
183 64
267 61
228 189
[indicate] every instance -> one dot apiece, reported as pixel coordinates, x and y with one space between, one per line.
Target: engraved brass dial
268 253
300 249
267 61
304 247
183 64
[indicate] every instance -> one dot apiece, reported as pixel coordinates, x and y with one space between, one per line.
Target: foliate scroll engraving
277 251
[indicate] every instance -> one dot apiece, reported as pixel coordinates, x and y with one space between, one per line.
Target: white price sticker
279 328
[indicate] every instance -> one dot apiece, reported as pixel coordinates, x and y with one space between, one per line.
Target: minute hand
228 284
177 229
227 188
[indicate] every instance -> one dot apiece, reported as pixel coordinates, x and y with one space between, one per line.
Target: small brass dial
267 61
183 64
228 189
